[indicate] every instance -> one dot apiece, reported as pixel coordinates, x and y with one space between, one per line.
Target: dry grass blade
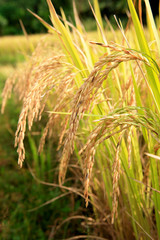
147 186
50 201
98 23
153 156
70 189
86 236
87 219
140 226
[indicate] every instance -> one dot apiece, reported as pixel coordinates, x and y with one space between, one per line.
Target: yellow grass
13 44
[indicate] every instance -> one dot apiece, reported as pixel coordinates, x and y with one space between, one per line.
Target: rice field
97 95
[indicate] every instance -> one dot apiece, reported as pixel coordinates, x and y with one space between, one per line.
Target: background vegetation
12 11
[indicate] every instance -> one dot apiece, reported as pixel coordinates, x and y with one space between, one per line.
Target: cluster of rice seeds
89 162
104 130
25 78
20 80
7 90
129 146
45 77
131 102
125 121
63 132
87 93
49 126
89 151
116 176
64 91
97 136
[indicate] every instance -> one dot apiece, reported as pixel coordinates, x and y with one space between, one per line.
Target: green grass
19 194
11 59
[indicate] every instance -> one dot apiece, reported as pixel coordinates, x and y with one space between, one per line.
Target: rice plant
103 97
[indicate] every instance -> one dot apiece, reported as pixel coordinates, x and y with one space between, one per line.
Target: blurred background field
12 11
25 212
